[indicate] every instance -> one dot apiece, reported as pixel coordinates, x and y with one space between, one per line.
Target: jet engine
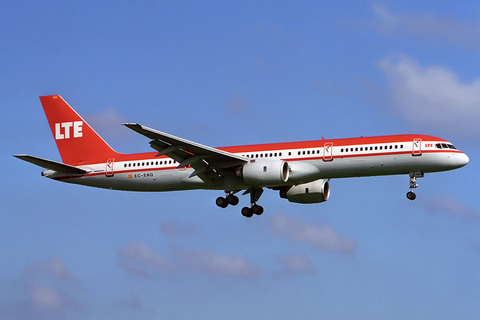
311 192
265 173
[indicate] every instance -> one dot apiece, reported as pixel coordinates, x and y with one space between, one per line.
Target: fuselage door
109 167
417 147
327 151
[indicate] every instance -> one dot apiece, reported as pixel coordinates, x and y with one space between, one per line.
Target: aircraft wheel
221 202
232 199
247 212
411 195
258 210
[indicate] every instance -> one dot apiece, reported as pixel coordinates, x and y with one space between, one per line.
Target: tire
247 212
258 210
232 199
411 195
221 202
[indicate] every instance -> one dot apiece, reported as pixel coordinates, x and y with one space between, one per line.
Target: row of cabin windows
304 152
144 164
391 147
308 152
266 155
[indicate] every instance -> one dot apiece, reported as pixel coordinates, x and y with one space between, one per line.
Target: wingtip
131 124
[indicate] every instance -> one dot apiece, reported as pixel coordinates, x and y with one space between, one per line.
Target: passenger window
391 147
376 147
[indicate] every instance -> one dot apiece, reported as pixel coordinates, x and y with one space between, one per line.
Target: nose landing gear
413 184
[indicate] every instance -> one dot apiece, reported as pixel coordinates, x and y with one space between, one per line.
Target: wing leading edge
208 163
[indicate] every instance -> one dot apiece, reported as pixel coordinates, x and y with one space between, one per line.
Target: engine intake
311 192
265 173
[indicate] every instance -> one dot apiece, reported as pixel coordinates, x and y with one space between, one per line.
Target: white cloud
447 204
137 258
44 298
173 228
108 124
432 96
428 26
295 264
52 267
212 263
323 237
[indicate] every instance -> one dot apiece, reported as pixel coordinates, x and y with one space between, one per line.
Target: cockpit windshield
444 146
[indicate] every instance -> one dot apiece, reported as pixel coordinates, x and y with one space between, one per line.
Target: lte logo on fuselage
68 127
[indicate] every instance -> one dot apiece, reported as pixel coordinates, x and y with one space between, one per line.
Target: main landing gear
233 200
413 184
224 202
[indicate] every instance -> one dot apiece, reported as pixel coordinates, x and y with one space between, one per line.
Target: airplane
299 171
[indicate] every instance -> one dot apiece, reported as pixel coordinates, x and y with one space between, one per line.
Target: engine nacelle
265 173
311 192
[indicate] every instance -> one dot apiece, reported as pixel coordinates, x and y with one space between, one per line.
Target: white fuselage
307 162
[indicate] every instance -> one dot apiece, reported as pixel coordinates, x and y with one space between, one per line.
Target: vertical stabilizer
77 142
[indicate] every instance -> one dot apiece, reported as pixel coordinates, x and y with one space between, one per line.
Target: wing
208 163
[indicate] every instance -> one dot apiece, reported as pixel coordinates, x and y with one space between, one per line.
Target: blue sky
223 73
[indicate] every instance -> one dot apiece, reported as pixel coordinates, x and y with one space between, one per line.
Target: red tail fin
77 142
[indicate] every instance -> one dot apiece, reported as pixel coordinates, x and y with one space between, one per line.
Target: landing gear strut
232 199
413 184
255 194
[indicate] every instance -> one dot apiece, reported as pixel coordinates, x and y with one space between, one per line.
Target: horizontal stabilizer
51 165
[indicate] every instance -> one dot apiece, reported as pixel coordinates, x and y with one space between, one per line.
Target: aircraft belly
156 180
